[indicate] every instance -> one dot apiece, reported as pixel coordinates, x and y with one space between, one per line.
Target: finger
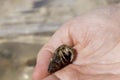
72 72
68 73
43 59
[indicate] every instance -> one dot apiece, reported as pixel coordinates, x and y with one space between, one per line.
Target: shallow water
17 60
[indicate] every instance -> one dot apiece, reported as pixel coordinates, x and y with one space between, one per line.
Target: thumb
43 58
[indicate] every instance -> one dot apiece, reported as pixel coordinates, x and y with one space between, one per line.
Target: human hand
96 38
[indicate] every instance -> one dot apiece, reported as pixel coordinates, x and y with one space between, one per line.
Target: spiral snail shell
63 56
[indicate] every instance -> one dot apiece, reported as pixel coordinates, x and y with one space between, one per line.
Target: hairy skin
96 38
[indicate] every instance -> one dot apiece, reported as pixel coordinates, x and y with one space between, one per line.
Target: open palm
96 38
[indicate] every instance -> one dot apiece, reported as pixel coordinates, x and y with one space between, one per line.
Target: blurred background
26 25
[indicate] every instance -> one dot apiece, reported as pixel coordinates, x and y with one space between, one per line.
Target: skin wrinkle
92 64
92 53
96 68
98 48
82 46
96 52
76 71
114 51
48 49
64 72
71 33
107 52
86 39
65 39
70 37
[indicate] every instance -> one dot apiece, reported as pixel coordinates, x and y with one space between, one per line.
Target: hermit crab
62 56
